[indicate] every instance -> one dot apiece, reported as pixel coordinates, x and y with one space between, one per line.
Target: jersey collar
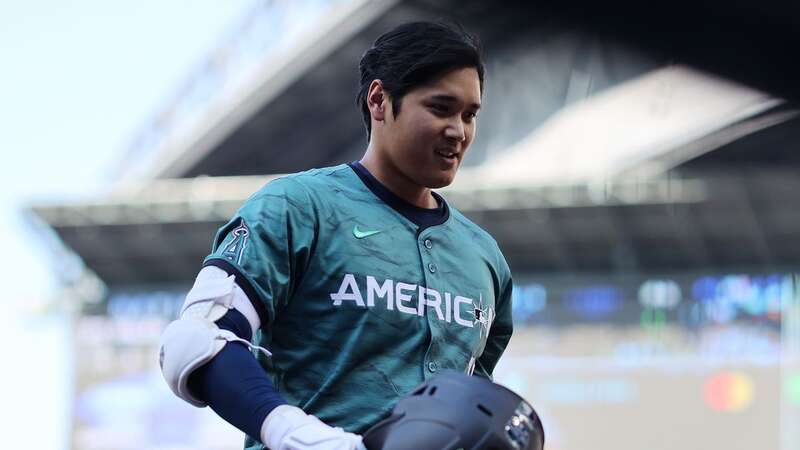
422 217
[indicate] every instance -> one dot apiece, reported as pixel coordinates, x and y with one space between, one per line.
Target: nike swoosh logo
359 234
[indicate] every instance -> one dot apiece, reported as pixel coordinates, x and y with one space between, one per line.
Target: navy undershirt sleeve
234 384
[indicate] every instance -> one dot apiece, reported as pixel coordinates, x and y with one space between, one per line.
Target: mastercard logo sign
728 392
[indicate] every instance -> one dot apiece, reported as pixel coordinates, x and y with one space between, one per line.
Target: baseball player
352 284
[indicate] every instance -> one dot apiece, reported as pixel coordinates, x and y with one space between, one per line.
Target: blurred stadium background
638 166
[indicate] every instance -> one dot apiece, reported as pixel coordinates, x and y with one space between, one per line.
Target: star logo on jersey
484 315
361 234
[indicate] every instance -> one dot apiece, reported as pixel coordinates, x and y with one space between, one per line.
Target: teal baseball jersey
358 306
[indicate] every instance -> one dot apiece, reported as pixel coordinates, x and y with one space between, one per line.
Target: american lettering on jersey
413 299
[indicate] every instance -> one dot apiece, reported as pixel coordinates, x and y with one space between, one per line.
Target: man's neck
396 181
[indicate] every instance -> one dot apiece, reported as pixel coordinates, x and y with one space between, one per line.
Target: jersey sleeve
267 245
500 331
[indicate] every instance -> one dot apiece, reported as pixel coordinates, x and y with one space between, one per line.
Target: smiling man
423 147
352 283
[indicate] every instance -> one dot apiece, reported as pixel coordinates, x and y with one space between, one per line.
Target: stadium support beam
751 221
690 235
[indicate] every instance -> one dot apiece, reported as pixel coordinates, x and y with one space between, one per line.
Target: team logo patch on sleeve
234 250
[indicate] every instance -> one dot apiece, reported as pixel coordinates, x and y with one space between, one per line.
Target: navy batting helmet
457 411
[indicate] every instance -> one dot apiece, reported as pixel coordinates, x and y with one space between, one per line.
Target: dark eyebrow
451 99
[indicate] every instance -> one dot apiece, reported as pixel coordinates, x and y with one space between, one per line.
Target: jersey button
432 267
428 244
432 366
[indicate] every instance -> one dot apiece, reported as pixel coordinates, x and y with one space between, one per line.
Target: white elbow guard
194 339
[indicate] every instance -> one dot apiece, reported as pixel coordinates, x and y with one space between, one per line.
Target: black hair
413 54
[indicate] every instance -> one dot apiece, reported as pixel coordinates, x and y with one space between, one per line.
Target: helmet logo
519 427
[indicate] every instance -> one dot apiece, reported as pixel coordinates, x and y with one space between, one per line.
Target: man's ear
377 100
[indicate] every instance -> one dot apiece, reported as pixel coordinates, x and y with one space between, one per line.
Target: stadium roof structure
648 196
255 126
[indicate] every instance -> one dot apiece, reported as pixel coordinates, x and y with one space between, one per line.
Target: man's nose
456 130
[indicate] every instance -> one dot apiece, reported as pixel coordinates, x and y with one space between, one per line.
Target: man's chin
443 180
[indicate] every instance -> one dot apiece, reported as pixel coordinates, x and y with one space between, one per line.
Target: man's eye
470 116
441 109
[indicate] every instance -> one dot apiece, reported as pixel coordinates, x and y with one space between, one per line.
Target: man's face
427 141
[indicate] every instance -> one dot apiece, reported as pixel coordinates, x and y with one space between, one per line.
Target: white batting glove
289 428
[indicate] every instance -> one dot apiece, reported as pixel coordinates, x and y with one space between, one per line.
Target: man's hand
289 428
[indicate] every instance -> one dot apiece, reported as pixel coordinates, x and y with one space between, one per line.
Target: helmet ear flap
379 432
